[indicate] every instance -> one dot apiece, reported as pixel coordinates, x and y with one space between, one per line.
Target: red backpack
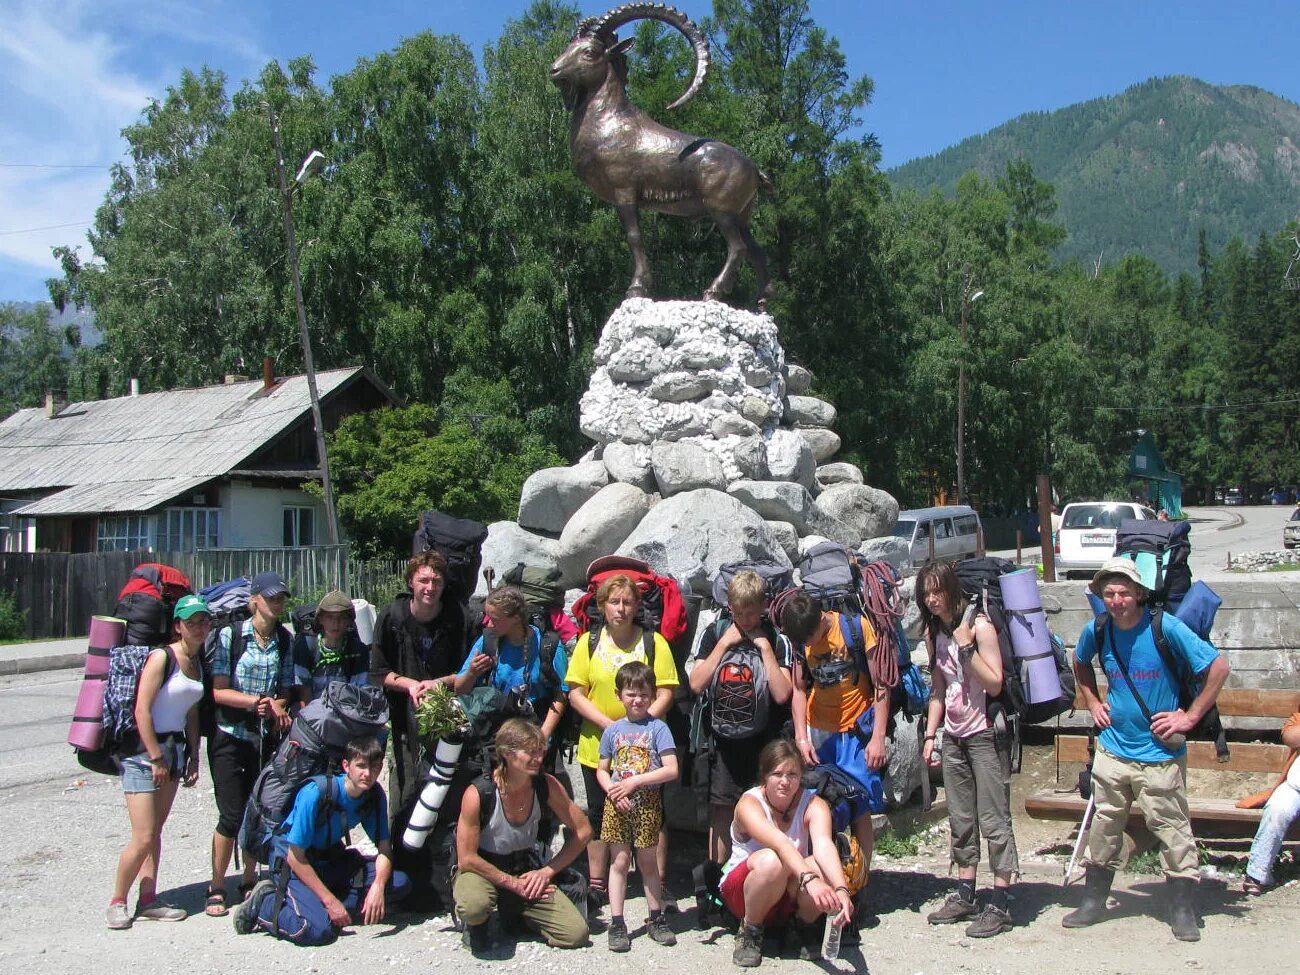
146 603
662 608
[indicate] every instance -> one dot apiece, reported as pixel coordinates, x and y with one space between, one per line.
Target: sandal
1249 885
215 904
245 889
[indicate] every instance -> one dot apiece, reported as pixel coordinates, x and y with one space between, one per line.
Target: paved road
1218 531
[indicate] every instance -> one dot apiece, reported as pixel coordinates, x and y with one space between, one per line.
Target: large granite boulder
798 380
823 443
895 551
689 536
789 458
507 545
553 494
630 464
776 501
840 472
682 467
788 537
866 510
600 527
809 411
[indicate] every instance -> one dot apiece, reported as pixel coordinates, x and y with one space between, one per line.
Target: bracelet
806 878
847 892
803 741
928 738
158 760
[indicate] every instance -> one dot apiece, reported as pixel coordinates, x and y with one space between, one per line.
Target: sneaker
158 911
660 932
992 920
119 918
619 939
249 908
748 952
955 908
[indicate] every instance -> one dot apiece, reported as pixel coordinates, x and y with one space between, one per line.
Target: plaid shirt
266 672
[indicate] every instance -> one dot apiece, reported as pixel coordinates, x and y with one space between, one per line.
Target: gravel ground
67 827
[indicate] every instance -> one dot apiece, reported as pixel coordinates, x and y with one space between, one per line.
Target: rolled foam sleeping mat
1030 638
87 729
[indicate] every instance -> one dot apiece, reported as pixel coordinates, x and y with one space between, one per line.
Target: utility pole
967 299
291 246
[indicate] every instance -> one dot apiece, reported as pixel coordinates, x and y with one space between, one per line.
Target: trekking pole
1078 842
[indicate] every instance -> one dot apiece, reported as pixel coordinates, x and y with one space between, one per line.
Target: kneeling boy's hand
338 914
372 910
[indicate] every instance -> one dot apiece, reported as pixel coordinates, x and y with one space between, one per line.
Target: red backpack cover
661 597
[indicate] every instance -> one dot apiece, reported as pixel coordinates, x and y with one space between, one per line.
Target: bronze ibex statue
628 159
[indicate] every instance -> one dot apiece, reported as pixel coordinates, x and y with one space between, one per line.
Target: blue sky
73 73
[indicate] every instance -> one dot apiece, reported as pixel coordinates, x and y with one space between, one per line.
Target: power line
1194 407
5 165
34 230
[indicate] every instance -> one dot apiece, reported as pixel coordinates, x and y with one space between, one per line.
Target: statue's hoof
636 291
712 295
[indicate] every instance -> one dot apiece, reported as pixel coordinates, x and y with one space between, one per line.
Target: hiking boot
119 918
659 931
990 921
809 938
245 917
1182 908
158 911
955 908
1095 891
748 952
619 939
481 941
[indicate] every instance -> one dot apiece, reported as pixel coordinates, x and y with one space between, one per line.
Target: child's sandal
215 904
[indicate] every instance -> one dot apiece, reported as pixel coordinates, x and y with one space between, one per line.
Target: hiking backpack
121 688
979 585
662 609
740 700
313 746
460 542
1161 550
847 800
146 603
776 578
831 574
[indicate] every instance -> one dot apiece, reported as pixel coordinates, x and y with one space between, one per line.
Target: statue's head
595 48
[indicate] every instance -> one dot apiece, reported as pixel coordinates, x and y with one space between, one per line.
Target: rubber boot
1095 891
1182 908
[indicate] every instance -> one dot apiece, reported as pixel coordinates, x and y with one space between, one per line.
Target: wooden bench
1210 817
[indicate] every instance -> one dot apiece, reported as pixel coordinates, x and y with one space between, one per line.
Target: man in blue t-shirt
323 883
1142 756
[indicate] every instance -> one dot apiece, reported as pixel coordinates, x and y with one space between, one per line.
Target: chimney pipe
50 408
268 374
135 386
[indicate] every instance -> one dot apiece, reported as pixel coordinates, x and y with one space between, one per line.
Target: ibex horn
610 21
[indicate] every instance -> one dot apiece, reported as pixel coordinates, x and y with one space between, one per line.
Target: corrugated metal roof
186 436
121 496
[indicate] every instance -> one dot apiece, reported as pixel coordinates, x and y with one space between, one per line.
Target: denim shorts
137 773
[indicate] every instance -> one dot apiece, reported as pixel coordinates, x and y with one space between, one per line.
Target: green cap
187 606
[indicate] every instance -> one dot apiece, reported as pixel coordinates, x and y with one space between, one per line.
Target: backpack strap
647 642
487 800
854 641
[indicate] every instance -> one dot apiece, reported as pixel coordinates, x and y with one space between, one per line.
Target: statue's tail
765 184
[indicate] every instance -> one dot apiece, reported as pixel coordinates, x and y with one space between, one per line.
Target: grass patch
1147 862
891 844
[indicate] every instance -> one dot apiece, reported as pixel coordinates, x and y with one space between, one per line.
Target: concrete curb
35 665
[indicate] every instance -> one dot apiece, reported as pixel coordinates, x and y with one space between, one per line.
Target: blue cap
268 585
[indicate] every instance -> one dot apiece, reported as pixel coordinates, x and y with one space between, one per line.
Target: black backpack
1169 546
460 542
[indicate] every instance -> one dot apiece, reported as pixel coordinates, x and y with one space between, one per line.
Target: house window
187 529
299 527
123 533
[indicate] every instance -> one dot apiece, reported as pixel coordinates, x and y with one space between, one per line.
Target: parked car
949 532
1291 530
1234 498
1086 538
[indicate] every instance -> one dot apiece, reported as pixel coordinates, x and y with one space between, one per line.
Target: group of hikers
783 857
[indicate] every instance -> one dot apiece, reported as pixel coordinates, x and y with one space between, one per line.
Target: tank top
502 836
964 698
798 830
171 706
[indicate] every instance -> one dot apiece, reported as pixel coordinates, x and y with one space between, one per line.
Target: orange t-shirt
838 706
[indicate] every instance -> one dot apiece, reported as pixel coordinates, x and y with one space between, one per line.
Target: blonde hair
607 588
745 589
516 735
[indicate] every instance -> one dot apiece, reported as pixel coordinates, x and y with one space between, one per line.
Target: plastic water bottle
831 940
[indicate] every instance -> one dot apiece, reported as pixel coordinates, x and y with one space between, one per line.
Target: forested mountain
1144 171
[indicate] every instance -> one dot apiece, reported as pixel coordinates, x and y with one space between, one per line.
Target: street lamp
968 298
310 166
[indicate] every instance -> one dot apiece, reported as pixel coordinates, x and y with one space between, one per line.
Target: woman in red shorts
784 862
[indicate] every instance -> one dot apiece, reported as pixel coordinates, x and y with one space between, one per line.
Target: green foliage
390 465
891 844
33 356
13 621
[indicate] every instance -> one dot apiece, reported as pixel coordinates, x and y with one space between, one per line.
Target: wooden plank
1246 756
1240 702
1210 817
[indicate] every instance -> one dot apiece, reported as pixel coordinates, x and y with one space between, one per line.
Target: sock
999 898
654 915
617 921
967 890
116 900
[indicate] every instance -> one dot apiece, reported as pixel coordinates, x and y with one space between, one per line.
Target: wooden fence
59 592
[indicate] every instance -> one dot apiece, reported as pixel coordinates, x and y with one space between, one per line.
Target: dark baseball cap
268 585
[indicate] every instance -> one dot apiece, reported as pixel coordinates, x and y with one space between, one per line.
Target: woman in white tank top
167 722
966 674
784 862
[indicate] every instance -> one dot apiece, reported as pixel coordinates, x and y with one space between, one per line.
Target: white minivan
949 532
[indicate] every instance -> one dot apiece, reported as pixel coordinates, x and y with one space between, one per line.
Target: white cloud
73 74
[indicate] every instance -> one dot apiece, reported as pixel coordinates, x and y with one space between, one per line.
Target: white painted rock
690 535
776 500
682 467
507 545
789 538
823 443
553 494
808 411
629 464
599 527
789 458
867 510
798 380
841 472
